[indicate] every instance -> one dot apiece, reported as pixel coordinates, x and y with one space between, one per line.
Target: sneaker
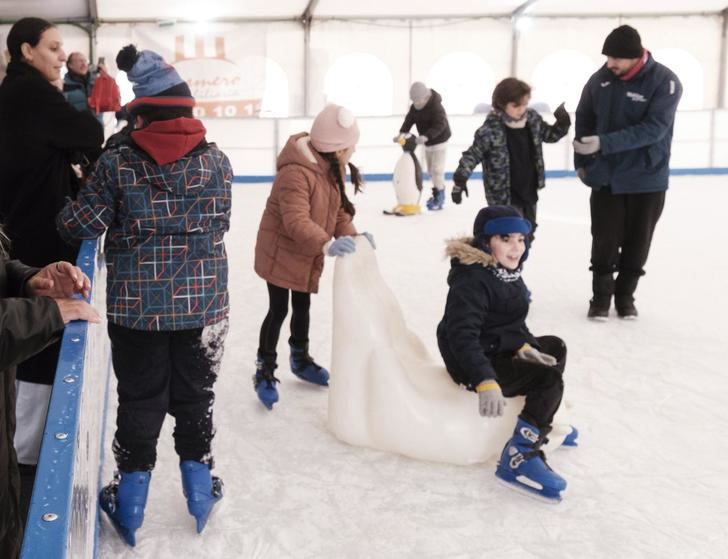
598 311
627 311
437 201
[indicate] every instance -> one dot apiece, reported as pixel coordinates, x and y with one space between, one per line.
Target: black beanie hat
500 220
623 42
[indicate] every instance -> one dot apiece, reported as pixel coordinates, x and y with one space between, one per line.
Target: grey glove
421 139
587 145
532 355
562 117
490 399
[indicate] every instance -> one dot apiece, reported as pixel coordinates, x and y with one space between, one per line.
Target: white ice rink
649 399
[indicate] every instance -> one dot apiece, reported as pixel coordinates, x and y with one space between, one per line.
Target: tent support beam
722 101
306 20
515 33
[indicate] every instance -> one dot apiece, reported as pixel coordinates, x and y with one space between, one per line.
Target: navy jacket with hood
484 315
634 121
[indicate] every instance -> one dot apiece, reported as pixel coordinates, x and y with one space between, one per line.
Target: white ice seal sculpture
386 391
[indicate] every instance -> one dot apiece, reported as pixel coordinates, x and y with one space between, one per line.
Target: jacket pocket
596 173
656 156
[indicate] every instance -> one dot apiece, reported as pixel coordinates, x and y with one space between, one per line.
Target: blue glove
341 246
370 238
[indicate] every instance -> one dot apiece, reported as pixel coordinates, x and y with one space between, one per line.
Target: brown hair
509 90
335 170
26 30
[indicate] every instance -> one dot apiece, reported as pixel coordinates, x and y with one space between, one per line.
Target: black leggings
542 385
277 311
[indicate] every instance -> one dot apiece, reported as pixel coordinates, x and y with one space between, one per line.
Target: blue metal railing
63 517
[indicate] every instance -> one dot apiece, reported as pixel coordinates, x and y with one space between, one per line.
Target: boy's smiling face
508 249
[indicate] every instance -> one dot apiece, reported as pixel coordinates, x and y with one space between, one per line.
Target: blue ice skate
437 201
202 490
124 500
305 368
264 382
523 466
571 438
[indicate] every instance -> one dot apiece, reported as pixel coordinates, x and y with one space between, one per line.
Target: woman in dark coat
40 135
30 319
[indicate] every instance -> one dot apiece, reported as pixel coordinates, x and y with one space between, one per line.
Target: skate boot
625 307
571 438
124 500
523 466
264 382
202 490
305 368
437 201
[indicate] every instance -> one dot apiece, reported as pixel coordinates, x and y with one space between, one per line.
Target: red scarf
637 67
168 140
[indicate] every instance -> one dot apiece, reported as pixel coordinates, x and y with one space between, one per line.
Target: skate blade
629 317
598 318
529 492
129 536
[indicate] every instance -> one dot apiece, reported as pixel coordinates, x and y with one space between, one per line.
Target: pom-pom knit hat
155 82
334 129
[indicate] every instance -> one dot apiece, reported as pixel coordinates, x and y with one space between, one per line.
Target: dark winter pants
529 212
159 373
277 310
622 228
543 386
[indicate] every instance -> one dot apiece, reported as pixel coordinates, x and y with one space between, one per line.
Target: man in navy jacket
624 125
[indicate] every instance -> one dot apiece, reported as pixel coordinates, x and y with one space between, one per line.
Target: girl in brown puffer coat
307 206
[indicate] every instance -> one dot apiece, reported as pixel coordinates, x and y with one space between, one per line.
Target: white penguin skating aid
407 179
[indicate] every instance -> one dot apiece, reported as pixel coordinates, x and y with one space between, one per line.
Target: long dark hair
26 30
335 170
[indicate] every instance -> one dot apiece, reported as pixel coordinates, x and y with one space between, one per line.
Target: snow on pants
542 385
622 228
161 372
435 157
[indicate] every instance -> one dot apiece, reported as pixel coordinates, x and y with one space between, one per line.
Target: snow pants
542 385
161 372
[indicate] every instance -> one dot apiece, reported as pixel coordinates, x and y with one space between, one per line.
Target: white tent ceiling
131 10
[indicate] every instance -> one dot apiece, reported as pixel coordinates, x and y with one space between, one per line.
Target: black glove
562 117
457 192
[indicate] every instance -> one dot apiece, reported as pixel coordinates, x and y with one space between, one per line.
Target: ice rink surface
649 398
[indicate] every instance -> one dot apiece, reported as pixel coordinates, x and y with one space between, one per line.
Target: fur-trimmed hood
462 248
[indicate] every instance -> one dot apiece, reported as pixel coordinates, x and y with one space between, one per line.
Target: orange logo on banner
215 82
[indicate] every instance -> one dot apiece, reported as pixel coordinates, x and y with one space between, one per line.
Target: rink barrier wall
63 521
699 144
384 177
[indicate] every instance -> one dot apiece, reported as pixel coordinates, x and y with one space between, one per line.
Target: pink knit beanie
334 128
